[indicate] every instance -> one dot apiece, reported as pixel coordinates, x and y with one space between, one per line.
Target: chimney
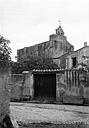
85 44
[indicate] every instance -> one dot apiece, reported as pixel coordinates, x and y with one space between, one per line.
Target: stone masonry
55 47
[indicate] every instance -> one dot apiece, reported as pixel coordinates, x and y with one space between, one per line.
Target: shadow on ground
51 125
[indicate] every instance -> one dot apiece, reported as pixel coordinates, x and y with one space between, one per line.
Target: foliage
5 51
33 63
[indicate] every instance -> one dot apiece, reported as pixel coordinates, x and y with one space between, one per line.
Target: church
63 85
59 49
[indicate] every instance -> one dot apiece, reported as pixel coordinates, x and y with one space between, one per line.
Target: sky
29 22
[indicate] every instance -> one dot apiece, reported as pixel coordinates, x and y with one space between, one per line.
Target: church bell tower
59 31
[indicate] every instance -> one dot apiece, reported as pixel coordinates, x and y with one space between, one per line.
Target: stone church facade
54 48
59 49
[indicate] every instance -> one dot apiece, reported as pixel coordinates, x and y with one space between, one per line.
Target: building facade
54 48
57 48
75 58
78 57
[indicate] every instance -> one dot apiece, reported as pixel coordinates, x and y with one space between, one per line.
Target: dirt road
49 113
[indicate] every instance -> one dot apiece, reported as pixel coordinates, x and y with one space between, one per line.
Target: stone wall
4 95
74 84
21 85
54 48
16 83
71 86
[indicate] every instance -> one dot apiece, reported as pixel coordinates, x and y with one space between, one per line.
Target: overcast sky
28 22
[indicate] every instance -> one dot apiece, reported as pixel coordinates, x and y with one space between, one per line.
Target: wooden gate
45 85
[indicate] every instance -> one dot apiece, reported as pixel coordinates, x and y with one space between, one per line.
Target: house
78 57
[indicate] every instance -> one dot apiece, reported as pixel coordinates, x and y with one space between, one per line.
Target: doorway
45 85
74 61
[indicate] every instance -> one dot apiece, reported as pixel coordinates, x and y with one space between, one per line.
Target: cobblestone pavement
36 113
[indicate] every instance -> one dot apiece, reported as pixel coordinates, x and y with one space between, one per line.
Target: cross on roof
59 22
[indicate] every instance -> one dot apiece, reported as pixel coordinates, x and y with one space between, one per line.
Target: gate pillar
60 86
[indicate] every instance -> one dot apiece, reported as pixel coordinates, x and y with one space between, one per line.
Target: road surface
36 113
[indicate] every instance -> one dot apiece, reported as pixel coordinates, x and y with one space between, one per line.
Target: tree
5 60
33 63
5 51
